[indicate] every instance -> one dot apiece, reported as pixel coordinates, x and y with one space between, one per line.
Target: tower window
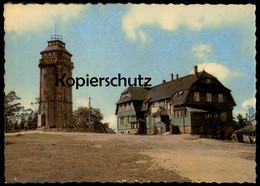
44 92
64 94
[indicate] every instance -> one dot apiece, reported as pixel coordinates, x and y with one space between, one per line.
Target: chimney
163 81
171 77
176 76
144 84
195 69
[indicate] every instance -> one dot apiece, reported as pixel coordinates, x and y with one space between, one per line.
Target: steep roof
136 93
55 48
166 90
177 89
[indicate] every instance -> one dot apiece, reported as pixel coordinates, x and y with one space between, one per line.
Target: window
122 121
64 92
132 107
208 80
44 92
157 119
220 97
196 96
180 113
155 104
134 126
223 116
128 132
125 95
215 115
209 97
175 113
49 54
208 115
171 108
132 118
184 112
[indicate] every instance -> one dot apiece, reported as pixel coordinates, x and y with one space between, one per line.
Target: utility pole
89 110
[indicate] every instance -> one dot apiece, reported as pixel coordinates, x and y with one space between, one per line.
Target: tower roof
56 44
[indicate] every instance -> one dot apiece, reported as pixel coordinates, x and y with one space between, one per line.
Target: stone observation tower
55 107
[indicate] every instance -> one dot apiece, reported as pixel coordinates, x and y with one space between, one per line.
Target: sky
150 40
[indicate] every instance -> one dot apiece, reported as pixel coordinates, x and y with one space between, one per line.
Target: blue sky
151 40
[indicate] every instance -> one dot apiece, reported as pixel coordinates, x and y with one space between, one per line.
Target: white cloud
203 51
22 18
112 121
249 102
193 17
218 70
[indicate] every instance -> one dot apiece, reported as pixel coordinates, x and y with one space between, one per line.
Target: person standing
25 126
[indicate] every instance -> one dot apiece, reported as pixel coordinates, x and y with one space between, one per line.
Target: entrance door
142 128
43 119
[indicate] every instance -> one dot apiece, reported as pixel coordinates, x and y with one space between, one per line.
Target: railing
56 37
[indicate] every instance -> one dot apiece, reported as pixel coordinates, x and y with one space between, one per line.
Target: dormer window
125 95
196 96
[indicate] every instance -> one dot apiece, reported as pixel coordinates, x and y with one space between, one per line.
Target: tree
248 120
32 119
250 116
12 110
81 119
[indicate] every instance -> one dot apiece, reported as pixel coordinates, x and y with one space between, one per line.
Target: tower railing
56 37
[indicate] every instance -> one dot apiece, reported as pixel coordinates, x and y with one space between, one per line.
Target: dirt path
38 156
207 160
